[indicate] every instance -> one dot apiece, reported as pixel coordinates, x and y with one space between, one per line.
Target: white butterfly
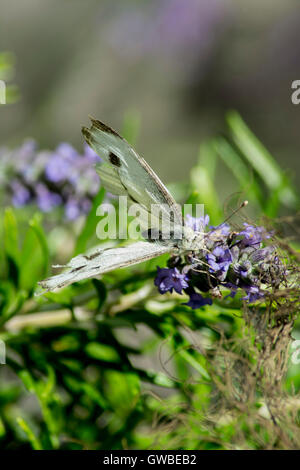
124 172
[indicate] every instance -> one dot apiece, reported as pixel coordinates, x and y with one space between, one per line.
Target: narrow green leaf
34 258
101 291
34 441
102 352
11 234
239 169
193 362
261 160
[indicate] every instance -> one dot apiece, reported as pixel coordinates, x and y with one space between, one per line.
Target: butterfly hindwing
101 261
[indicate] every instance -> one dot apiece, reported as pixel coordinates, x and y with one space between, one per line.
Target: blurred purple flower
72 209
21 195
61 163
47 200
50 179
178 29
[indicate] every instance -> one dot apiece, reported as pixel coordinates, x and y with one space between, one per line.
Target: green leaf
122 390
88 389
261 160
103 352
34 258
101 291
193 362
239 169
11 241
34 441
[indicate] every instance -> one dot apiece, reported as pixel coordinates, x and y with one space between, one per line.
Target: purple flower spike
197 301
168 279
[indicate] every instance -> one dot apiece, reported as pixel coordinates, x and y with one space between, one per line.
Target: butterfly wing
124 172
101 261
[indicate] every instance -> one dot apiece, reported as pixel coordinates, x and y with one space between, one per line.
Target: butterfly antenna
241 206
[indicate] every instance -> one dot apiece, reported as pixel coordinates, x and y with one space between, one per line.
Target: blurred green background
178 65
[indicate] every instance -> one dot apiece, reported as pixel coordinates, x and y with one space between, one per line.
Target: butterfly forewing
124 172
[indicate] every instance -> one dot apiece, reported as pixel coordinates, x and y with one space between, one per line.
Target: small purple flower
219 261
65 150
72 209
197 224
168 279
61 164
233 288
24 155
197 301
21 195
47 200
252 236
57 169
253 293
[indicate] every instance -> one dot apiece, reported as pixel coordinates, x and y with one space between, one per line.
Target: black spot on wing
114 159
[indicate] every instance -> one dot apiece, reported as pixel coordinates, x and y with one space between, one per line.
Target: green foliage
7 71
111 364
